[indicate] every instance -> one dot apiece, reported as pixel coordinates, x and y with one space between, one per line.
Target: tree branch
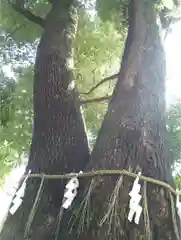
101 99
28 15
100 83
10 35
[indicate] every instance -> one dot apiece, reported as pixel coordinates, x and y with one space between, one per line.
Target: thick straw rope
104 173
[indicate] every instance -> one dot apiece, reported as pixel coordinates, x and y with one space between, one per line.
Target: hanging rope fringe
103 173
59 218
146 213
34 208
174 217
112 205
84 210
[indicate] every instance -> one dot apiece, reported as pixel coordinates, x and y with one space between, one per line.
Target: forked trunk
59 143
132 137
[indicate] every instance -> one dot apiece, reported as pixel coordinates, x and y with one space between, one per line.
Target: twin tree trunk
132 135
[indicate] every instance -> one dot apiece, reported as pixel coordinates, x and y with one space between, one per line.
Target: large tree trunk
132 137
59 143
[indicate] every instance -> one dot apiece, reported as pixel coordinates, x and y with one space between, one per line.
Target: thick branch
28 15
10 35
101 82
94 100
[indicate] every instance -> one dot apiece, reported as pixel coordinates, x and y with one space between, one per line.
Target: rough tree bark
132 137
59 143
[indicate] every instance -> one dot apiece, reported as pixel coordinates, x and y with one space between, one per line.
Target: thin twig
29 15
114 76
94 100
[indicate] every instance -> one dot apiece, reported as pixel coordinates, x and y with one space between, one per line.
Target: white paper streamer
70 192
17 201
135 208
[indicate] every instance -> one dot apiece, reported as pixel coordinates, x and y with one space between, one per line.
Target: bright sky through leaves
173 57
